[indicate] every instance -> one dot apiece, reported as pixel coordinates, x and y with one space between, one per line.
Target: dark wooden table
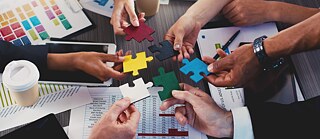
161 22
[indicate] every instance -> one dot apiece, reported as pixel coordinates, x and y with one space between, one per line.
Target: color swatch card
26 22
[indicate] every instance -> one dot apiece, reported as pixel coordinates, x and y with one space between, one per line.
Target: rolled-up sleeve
35 54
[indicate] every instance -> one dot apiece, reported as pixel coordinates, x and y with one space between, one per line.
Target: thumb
186 96
178 41
132 14
117 108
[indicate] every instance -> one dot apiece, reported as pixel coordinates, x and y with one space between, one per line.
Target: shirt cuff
242 123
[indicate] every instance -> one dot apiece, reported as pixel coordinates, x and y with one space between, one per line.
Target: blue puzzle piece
196 66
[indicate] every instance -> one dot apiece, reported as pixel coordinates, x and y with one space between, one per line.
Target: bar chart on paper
153 123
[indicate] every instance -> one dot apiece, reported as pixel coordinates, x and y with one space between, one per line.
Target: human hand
183 35
94 64
236 69
120 122
248 12
200 111
119 19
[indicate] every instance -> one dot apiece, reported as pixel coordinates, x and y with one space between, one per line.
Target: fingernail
121 58
135 23
177 46
210 67
126 99
174 92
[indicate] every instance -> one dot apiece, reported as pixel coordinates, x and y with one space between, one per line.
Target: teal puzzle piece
196 66
168 81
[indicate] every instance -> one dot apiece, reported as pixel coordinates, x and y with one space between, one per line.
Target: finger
180 56
110 72
185 53
186 96
222 80
141 16
131 12
134 115
122 117
170 102
116 19
111 58
190 49
180 113
208 60
117 108
221 65
221 53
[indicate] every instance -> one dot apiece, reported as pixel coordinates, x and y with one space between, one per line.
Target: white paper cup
21 78
150 7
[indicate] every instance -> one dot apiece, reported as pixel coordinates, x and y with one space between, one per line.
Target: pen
224 47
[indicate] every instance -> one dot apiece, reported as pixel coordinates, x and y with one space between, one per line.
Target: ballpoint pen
224 47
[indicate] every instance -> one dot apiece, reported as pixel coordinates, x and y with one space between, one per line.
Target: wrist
273 12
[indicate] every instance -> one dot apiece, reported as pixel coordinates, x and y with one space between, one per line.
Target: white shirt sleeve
242 123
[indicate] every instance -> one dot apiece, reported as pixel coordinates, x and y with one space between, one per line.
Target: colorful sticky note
218 45
17 42
44 35
55 22
34 3
58 12
18 10
66 24
25 40
16 25
55 7
40 29
19 32
22 16
5 23
26 7
50 14
35 21
33 35
52 2
62 17
13 20
43 3
5 16
10 38
5 31
30 14
26 25
1 18
10 14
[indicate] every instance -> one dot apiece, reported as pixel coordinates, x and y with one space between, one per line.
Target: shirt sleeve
242 123
35 54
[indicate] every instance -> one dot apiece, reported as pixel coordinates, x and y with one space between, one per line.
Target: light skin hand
183 35
248 12
120 122
234 70
200 111
122 10
92 63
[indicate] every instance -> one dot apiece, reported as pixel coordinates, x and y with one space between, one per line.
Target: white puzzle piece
138 92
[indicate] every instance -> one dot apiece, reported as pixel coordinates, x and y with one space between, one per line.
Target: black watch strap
259 50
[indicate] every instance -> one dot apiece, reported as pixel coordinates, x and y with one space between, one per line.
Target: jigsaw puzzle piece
139 33
165 51
138 92
168 81
196 67
140 62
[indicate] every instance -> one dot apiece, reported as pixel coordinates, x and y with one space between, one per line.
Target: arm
301 37
183 34
251 12
296 120
34 54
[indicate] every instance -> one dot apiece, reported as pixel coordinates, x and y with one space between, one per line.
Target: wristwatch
267 63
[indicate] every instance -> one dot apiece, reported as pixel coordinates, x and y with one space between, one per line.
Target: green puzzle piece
168 81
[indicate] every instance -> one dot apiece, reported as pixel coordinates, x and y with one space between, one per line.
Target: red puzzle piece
139 33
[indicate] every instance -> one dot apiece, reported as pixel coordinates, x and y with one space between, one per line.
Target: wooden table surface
102 32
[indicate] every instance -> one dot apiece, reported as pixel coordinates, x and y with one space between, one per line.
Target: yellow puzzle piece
140 62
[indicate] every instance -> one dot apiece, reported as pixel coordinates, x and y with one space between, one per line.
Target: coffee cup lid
20 75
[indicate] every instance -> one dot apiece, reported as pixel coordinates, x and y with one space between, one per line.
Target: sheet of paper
153 123
53 99
104 7
32 21
208 41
